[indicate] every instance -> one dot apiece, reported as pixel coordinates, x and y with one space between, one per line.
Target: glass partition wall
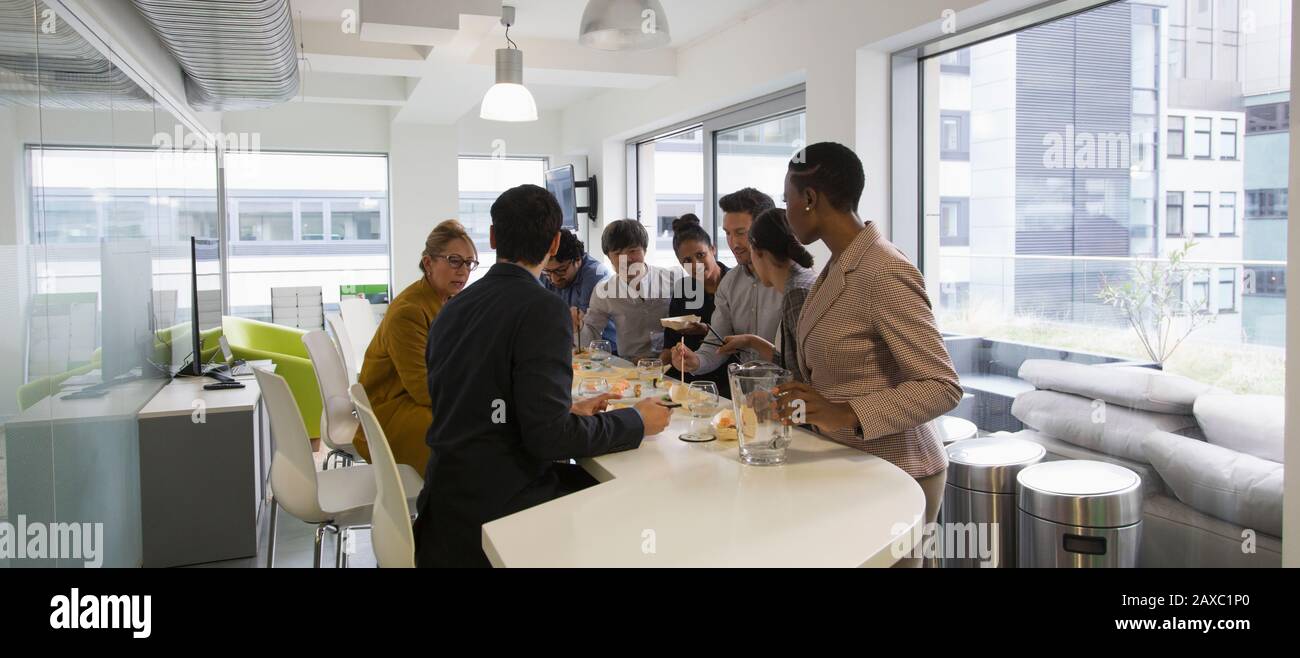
97 214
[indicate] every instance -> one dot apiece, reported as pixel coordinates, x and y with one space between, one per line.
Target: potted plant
1152 302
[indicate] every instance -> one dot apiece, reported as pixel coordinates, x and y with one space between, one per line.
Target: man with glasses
573 274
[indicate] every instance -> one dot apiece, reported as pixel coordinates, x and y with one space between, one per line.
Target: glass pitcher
763 437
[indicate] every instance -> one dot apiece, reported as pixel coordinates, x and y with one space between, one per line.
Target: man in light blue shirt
573 274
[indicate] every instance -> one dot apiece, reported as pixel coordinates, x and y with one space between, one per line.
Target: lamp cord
509 40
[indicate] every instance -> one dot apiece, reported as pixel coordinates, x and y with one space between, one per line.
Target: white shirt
636 311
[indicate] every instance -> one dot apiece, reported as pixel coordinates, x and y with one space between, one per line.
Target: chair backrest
359 317
338 426
293 471
344 345
391 533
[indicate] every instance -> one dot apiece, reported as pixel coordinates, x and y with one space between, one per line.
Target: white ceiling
438 75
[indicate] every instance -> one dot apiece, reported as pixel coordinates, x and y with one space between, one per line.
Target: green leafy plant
1152 302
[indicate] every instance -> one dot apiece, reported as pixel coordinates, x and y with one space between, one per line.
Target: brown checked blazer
867 336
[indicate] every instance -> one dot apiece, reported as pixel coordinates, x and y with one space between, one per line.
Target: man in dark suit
500 376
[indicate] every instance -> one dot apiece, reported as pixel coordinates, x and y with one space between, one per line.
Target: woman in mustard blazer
393 372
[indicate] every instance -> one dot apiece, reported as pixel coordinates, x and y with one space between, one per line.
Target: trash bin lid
990 464
1088 494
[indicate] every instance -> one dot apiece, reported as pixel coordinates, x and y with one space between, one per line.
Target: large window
482 180
300 220
1019 240
686 169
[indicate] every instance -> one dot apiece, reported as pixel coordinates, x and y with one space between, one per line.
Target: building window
1228 139
1228 214
1177 137
957 61
1267 204
305 219
1201 140
1200 302
1228 290
1271 118
1200 217
954 222
954 136
1174 215
482 180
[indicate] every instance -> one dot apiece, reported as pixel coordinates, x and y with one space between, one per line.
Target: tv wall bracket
593 197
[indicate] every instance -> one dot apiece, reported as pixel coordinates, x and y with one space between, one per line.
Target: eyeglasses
456 262
559 271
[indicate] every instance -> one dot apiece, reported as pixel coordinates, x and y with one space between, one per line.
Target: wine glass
702 402
601 351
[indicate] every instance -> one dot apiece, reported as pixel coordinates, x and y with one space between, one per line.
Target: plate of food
681 322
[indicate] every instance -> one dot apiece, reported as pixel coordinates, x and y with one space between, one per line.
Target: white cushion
1139 388
1095 425
1223 483
1252 424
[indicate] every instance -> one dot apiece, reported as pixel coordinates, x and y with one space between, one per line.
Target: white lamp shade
624 25
509 102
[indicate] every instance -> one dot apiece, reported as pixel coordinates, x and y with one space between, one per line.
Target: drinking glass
601 351
650 371
702 402
590 387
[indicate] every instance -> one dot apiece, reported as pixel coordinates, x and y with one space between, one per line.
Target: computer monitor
560 182
206 302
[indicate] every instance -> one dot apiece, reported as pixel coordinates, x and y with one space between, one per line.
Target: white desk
201 483
830 506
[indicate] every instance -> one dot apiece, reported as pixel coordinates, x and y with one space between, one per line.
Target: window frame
1209 138
1182 214
1236 223
787 102
1234 134
1181 140
1209 214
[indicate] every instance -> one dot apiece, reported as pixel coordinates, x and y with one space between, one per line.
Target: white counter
676 504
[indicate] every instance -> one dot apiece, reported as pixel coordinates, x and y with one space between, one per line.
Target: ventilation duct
68 73
236 54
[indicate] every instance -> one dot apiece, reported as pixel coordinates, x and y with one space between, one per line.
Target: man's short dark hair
526 220
571 248
748 200
624 234
834 170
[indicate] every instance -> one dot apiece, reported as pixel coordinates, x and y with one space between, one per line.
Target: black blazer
500 377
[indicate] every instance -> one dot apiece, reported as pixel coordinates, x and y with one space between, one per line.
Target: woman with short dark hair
876 367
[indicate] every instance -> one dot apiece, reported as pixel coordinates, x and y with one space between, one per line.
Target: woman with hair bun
781 263
699 257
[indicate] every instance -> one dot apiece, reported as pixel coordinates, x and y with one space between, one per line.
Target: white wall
314 127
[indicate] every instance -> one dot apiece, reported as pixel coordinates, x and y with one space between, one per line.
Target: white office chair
359 318
337 424
344 345
391 534
336 501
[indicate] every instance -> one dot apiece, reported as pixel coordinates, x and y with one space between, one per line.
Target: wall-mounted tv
561 183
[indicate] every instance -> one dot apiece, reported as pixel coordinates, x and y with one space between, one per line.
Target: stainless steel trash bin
979 502
1080 514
